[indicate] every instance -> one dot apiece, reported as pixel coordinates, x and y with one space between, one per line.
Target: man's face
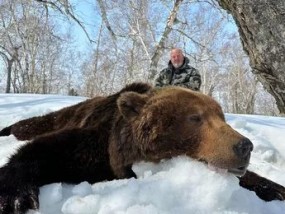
176 58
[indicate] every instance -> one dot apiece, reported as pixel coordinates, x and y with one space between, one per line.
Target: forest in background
41 52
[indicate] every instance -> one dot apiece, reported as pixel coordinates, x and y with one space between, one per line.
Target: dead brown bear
101 138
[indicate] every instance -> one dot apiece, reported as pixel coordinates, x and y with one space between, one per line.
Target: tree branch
67 11
106 21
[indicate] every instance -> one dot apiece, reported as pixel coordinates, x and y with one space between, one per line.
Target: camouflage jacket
185 76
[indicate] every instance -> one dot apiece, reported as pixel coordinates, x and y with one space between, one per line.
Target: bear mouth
239 171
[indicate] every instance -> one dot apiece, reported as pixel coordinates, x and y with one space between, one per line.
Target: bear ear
130 104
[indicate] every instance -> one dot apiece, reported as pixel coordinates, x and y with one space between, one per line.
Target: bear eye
195 118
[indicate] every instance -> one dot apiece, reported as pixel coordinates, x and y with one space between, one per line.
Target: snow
180 185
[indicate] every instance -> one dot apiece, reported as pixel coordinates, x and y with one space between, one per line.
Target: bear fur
99 139
96 113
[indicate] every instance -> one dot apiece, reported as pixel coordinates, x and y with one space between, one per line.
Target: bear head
171 121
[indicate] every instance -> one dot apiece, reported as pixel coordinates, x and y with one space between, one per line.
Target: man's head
176 57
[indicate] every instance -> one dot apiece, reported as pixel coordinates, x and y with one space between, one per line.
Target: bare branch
67 11
193 40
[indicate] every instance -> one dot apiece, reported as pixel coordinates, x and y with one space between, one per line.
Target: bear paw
18 199
265 189
270 191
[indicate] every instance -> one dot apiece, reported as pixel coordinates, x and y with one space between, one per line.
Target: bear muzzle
235 160
242 150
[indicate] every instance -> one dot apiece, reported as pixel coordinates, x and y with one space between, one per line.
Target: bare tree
261 27
238 86
9 58
8 48
30 47
261 98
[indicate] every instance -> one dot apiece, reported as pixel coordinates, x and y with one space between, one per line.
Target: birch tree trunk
262 31
9 74
160 46
106 21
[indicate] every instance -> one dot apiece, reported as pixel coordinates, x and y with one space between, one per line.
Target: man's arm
192 80
195 80
159 80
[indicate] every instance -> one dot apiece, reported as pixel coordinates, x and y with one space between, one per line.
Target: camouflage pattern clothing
184 76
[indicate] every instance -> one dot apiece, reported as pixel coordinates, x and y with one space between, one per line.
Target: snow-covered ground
176 186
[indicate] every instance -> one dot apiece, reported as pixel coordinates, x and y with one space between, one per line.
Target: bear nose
243 148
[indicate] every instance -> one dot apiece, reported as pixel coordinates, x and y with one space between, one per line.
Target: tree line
128 41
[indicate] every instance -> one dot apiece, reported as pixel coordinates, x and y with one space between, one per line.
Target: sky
86 13
179 185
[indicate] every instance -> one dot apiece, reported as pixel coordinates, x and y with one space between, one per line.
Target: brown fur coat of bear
99 139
